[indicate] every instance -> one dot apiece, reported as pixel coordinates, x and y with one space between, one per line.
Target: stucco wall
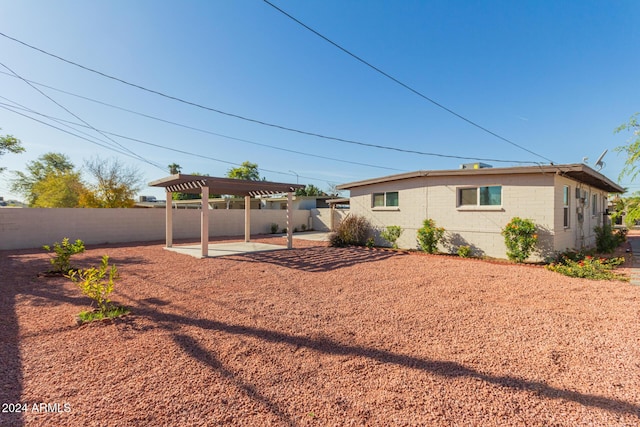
321 218
32 228
536 196
579 233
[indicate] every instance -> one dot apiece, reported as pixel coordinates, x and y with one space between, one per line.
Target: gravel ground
318 336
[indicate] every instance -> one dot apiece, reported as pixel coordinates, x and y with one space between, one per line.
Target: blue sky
554 77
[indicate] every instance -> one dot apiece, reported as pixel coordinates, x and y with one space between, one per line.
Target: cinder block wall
32 228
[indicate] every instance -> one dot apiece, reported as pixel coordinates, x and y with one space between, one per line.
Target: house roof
237 187
579 172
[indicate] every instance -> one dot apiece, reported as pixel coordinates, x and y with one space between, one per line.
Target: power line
11 108
200 130
404 85
260 122
77 117
253 142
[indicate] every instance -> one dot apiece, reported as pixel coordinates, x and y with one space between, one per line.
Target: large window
389 198
565 204
480 196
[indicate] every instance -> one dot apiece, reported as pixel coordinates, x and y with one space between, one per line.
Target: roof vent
474 166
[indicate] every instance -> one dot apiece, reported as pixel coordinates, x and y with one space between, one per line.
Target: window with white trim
387 199
480 196
565 203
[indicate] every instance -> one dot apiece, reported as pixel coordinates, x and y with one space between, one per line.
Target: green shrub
464 251
588 267
274 228
391 234
520 238
353 230
303 227
429 236
61 261
97 283
370 242
607 240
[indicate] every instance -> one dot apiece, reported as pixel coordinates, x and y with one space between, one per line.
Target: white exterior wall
579 233
538 197
32 228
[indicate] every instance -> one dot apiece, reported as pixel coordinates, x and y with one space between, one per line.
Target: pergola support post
204 223
289 220
247 218
169 220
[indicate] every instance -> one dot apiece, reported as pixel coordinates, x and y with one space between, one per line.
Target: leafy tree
632 150
116 184
9 144
174 168
58 190
310 190
247 170
37 171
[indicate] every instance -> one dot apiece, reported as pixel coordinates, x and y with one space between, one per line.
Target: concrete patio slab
317 236
223 249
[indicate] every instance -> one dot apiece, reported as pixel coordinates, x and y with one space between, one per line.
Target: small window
480 196
594 205
565 204
385 199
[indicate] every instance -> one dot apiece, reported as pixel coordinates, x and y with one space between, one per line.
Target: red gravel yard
317 336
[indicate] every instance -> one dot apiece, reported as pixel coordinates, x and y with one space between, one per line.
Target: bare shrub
353 230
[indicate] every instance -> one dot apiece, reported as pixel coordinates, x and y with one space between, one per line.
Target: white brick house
565 201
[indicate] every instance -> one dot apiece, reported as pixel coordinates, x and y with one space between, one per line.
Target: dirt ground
317 336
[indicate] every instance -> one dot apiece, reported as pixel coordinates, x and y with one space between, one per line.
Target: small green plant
391 234
371 242
61 261
111 313
464 251
303 227
353 230
274 228
429 236
520 238
607 240
588 267
97 283
284 230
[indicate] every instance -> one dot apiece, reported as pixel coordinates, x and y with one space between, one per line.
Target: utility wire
12 109
240 139
78 117
404 85
199 130
260 122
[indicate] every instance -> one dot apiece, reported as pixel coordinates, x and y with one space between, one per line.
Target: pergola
205 185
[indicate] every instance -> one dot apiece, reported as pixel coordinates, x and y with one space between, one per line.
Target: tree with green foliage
248 171
116 183
9 144
37 171
174 169
59 190
310 190
630 205
632 149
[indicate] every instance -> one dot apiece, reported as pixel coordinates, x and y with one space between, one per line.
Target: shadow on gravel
195 350
10 360
436 367
316 259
